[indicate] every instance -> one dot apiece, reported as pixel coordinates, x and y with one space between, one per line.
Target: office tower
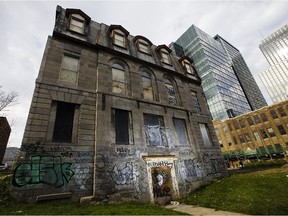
114 118
275 78
229 86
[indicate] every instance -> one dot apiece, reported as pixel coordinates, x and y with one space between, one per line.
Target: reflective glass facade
223 91
275 79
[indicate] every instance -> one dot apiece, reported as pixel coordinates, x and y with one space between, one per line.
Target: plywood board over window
77 23
69 70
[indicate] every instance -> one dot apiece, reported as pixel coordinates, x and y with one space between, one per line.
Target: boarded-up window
119 38
118 79
154 129
77 23
143 46
181 131
69 70
196 101
64 122
170 92
205 135
123 126
165 56
147 86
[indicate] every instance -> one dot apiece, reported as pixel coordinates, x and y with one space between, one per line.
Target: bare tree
7 99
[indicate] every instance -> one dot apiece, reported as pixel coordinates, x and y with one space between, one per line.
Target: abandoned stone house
114 116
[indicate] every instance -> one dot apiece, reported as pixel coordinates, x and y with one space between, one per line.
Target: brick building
262 133
115 117
5 131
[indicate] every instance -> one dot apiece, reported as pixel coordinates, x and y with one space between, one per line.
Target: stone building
115 117
255 135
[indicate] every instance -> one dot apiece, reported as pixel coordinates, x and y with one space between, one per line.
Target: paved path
197 210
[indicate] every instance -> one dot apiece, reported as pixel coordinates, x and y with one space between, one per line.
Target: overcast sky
25 26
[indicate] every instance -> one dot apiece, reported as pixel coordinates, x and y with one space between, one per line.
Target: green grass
56 208
10 207
255 193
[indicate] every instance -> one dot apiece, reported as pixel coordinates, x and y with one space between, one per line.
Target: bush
275 163
5 184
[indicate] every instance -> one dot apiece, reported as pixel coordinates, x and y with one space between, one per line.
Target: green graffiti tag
43 169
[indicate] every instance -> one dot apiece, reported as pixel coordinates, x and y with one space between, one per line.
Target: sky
25 26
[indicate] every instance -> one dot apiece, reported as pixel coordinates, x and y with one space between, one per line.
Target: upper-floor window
77 23
155 130
188 67
69 70
205 135
263 117
242 123
181 131
118 79
64 122
195 101
273 114
118 35
147 85
281 111
171 93
122 122
165 56
143 46
250 121
256 119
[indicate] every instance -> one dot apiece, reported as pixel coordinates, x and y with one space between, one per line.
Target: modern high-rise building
275 78
228 84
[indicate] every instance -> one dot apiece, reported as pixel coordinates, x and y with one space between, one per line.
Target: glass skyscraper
275 79
224 74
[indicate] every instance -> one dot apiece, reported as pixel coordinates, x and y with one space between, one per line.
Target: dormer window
143 44
118 35
119 38
187 66
164 53
77 23
165 56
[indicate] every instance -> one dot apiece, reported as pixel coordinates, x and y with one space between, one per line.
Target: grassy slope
262 192
10 207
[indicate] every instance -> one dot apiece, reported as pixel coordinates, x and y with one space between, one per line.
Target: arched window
147 86
118 79
171 93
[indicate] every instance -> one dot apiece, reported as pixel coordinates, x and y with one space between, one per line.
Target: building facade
114 117
275 78
227 82
260 133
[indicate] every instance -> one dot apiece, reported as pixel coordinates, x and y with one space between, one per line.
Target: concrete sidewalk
197 210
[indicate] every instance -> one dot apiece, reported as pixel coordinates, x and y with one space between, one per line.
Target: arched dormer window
187 66
148 92
118 79
118 35
171 91
164 52
143 44
78 20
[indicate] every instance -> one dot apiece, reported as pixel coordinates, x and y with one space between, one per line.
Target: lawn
255 193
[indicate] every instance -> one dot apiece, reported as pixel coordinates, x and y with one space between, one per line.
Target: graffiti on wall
82 176
161 180
122 173
42 169
32 147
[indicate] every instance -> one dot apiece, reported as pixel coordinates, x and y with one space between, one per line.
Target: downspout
88 199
